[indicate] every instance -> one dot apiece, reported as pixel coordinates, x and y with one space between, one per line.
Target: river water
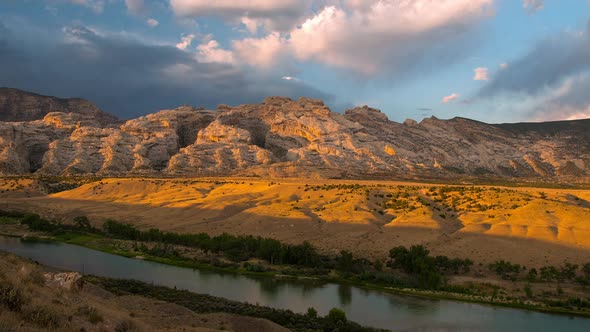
371 308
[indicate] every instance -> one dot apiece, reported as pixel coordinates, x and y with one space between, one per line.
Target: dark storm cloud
546 65
127 77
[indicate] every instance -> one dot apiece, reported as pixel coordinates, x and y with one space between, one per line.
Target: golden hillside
525 225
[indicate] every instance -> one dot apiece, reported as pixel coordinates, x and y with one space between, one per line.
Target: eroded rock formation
281 138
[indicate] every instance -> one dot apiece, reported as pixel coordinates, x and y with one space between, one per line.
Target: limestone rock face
67 280
292 138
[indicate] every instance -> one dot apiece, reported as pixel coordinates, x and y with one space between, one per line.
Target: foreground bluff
290 138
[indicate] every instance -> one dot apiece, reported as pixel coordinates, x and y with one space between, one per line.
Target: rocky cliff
281 138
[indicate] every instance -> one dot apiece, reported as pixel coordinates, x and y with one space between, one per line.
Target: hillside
285 138
532 226
36 298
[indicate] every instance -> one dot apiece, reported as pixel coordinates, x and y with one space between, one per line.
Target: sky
490 60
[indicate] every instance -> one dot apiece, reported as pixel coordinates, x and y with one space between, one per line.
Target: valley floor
533 227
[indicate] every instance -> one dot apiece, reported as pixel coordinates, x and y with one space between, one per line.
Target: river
367 307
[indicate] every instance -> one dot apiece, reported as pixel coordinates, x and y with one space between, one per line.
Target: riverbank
34 297
125 248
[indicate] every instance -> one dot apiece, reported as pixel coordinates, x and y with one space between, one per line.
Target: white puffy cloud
211 52
152 22
373 36
480 74
250 24
185 41
260 52
450 98
368 37
533 5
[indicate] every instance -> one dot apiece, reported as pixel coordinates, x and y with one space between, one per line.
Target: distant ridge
18 105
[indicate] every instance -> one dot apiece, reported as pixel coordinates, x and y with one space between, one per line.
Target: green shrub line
335 320
420 274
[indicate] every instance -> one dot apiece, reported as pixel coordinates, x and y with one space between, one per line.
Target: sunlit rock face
282 137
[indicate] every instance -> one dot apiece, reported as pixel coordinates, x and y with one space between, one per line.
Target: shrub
506 270
532 275
126 326
549 273
42 316
311 313
11 297
337 316
91 313
37 277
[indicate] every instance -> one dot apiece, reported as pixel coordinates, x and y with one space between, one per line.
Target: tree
417 263
532 275
337 316
345 261
311 313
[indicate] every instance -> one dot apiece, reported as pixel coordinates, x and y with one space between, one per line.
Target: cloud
547 64
480 74
450 98
290 78
152 22
250 24
566 101
96 5
185 41
278 15
136 7
126 75
211 52
533 5
395 35
550 82
260 52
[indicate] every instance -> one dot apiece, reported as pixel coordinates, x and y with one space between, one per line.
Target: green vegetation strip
411 271
335 320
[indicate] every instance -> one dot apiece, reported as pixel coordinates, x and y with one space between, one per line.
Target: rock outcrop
67 280
290 138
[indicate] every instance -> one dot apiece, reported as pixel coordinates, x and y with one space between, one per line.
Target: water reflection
345 295
400 313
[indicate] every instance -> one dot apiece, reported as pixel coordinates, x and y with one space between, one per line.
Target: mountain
17 105
281 138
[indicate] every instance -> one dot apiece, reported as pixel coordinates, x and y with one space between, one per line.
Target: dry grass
530 226
27 305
